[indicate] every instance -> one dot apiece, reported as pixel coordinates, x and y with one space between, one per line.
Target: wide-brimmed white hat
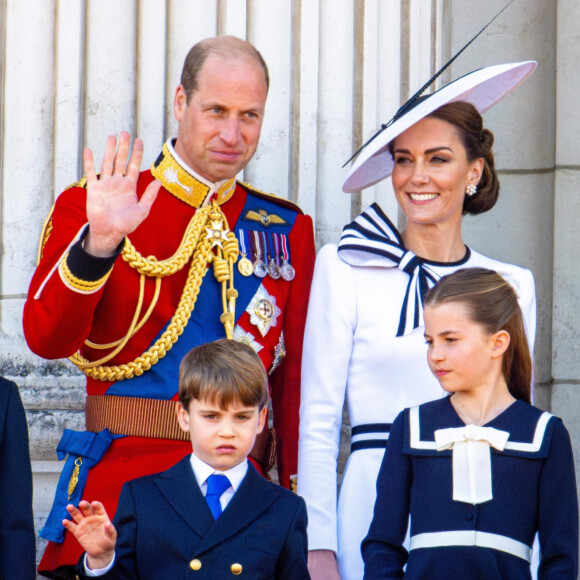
482 88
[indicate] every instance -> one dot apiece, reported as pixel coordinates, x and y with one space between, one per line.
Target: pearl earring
471 189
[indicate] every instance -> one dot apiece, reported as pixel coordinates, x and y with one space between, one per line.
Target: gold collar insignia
184 185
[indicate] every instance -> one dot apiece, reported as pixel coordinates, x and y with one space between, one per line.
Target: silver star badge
263 310
246 338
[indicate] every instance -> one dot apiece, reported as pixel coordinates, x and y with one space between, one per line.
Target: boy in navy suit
170 525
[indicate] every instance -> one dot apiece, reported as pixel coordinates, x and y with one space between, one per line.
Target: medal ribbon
242 236
277 247
266 246
257 248
285 253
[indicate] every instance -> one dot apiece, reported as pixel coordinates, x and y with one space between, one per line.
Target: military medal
263 310
260 269
273 268
245 267
286 269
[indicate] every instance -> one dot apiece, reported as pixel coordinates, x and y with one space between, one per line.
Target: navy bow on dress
372 240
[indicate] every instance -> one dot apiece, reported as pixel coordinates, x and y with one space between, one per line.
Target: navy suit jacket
17 541
164 523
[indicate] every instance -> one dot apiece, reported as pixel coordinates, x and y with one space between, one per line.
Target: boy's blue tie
216 485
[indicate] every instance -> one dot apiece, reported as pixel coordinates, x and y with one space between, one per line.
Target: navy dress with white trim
533 487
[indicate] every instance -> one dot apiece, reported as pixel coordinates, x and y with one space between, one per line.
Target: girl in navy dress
481 471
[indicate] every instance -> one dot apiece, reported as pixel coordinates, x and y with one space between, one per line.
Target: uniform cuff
84 272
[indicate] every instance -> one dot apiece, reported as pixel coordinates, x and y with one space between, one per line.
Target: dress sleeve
383 552
328 342
527 301
285 381
558 513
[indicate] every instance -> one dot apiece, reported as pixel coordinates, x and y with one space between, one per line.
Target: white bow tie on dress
372 240
471 459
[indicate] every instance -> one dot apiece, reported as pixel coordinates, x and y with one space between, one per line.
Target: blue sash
160 382
84 450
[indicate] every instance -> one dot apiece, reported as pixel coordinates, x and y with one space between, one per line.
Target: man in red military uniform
136 268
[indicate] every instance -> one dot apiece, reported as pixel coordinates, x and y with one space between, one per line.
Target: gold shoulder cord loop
193 244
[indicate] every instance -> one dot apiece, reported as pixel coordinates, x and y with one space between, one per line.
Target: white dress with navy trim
533 488
351 352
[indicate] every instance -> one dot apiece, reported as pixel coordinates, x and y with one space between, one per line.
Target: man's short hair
228 47
223 372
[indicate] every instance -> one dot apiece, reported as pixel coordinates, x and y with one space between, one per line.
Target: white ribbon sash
471 538
471 459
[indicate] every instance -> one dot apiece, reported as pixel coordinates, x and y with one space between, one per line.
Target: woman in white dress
364 339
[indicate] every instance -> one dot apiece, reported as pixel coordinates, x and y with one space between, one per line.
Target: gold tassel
74 478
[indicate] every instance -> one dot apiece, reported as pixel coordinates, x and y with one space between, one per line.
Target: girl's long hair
492 302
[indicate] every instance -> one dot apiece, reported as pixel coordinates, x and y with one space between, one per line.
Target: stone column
520 228
566 303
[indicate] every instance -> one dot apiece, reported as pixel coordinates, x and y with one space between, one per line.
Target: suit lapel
181 491
254 496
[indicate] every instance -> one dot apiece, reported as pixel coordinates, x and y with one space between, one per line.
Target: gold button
195 564
236 569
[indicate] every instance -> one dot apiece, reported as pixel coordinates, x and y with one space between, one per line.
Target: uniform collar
202 471
187 185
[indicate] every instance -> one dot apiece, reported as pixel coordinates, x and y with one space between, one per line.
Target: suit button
195 564
469 516
236 569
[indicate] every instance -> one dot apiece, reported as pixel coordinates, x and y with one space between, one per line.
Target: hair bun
487 138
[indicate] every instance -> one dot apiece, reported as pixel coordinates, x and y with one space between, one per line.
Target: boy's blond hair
225 372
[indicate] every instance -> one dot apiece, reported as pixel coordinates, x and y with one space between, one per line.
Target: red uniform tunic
71 300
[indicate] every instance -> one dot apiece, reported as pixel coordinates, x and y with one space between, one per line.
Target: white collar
202 471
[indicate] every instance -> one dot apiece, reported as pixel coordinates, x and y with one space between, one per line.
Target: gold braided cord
84 363
231 253
224 273
145 318
202 257
159 268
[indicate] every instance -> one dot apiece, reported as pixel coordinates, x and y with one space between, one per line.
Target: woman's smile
431 165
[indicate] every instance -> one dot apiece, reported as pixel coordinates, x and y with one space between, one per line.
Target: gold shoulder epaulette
271 197
44 235
80 183
47 227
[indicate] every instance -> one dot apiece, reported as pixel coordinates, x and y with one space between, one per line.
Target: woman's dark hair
491 302
477 142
